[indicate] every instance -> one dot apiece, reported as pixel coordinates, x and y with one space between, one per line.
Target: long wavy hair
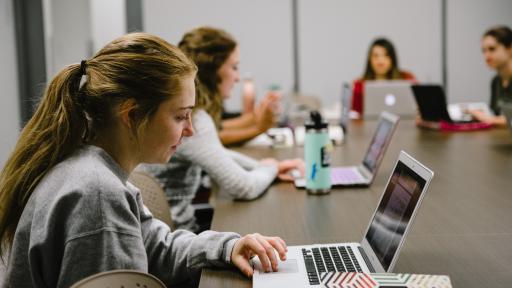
136 66
394 72
209 48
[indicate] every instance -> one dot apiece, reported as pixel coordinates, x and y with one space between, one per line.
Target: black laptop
432 103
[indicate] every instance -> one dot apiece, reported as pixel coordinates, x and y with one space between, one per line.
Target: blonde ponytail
52 133
136 66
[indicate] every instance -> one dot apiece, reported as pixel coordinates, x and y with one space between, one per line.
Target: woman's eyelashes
183 117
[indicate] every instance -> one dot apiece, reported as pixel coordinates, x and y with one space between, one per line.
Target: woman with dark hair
497 51
67 210
237 176
381 64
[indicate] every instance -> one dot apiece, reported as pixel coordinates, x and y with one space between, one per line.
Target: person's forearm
499 121
239 122
237 135
248 107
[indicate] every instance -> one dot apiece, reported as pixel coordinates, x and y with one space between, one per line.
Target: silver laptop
394 96
364 174
346 106
378 251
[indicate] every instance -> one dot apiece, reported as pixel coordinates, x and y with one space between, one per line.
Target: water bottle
317 155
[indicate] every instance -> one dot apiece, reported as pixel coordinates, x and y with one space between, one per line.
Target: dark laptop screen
376 150
431 102
394 213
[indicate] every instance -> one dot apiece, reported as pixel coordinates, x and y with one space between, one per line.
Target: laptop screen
394 96
394 213
377 146
431 102
346 103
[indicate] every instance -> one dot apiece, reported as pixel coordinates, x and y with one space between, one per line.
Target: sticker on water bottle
325 155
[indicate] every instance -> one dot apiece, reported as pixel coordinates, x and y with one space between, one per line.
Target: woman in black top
497 51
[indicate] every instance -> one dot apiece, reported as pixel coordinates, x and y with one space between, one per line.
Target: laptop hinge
367 175
366 259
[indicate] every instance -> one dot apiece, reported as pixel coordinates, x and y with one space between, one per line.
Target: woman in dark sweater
497 50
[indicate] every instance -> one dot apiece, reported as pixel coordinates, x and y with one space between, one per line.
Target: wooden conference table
463 228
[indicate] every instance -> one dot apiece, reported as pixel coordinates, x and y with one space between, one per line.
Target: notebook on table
388 280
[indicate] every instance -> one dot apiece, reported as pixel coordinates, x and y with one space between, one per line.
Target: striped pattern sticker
374 280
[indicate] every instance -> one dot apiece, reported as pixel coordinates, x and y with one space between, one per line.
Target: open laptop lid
431 102
397 208
378 145
394 96
346 105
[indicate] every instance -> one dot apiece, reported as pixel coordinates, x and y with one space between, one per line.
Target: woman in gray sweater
67 209
238 176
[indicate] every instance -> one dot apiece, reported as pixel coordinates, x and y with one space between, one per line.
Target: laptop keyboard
329 259
346 175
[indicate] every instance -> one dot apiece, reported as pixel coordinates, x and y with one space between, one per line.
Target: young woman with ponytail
67 210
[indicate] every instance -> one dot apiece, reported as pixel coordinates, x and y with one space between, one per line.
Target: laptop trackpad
288 266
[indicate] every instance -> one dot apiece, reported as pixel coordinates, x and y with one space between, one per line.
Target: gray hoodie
84 217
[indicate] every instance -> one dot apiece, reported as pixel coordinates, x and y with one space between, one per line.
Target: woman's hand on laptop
258 245
498 121
286 167
478 115
287 170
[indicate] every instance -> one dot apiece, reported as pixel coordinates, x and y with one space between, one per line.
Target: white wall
333 40
262 29
67 33
9 107
75 30
108 21
335 36
468 75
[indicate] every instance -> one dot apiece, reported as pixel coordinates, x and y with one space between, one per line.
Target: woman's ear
126 110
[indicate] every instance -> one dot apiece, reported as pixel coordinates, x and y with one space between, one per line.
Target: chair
297 108
307 102
120 279
153 196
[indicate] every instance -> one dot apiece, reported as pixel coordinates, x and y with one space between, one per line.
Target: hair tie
82 67
83 75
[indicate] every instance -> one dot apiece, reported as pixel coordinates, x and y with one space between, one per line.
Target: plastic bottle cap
316 121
